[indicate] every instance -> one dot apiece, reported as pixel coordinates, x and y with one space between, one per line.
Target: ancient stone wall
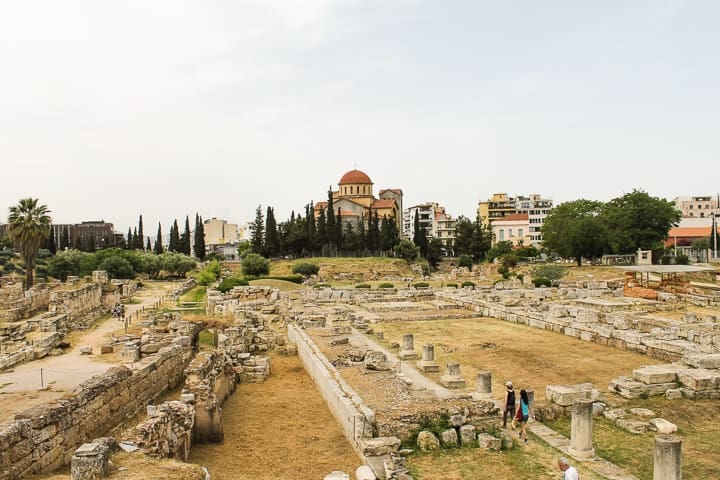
16 304
76 302
44 438
355 418
167 431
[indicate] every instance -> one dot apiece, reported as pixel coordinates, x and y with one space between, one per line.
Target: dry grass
282 285
634 452
530 357
330 266
277 429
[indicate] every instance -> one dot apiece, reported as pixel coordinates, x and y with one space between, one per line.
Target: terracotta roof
355 176
383 203
512 217
690 232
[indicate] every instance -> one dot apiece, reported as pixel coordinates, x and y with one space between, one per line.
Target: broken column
452 378
427 364
667 462
483 385
581 430
408 351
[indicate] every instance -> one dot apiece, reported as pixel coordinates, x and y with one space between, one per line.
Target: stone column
483 385
581 430
452 378
427 364
408 350
667 462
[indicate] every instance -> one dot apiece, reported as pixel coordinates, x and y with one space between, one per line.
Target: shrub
465 261
254 264
542 282
421 285
386 285
468 283
228 283
321 285
451 285
406 250
549 271
666 260
362 285
306 268
209 274
682 260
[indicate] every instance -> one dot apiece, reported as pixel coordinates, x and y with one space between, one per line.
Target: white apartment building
437 223
502 204
703 206
220 232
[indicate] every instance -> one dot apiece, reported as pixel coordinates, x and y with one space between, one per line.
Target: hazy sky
167 108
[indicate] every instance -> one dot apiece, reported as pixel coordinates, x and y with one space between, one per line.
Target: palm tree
28 227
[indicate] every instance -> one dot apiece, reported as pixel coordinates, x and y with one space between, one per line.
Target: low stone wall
167 432
77 302
16 304
45 437
355 418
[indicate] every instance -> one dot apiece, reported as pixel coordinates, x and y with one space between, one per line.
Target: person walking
509 403
522 416
569 472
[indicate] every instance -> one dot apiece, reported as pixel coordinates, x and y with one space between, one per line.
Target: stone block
566 395
377 446
634 426
663 426
337 475
699 378
449 437
699 360
657 373
85 350
457 420
642 412
427 441
488 442
467 434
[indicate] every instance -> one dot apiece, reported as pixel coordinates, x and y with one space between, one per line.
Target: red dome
355 177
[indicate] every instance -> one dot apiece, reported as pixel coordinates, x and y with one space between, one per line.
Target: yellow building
354 201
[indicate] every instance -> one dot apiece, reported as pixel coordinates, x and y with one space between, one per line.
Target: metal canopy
664 268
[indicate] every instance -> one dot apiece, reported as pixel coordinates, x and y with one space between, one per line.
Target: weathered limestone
484 385
657 373
337 475
91 461
364 472
581 430
428 364
663 426
452 378
427 441
467 434
667 463
488 442
408 351
567 395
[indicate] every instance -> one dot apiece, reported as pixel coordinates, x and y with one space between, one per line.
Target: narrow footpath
277 429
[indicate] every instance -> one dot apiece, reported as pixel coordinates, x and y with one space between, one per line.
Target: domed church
355 201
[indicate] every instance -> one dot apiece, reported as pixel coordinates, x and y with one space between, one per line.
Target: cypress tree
330 220
158 241
419 235
65 238
130 240
199 238
136 240
174 245
338 228
141 235
51 245
148 247
321 229
258 235
185 238
272 243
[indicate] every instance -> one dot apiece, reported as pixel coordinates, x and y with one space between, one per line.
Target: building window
502 235
510 233
520 232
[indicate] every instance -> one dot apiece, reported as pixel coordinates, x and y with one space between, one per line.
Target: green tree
200 248
463 236
272 240
638 221
481 239
466 261
434 251
258 234
244 248
550 271
255 265
130 239
65 263
158 241
420 235
352 242
65 238
117 267
151 264
28 228
330 221
185 238
406 250
140 235
389 235
501 248
576 229
174 243
148 247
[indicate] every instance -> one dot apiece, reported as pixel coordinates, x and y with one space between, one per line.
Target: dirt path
277 429
20 387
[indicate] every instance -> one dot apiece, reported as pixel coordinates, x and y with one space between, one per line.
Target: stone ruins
379 395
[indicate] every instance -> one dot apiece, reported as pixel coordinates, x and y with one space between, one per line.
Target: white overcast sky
109 110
